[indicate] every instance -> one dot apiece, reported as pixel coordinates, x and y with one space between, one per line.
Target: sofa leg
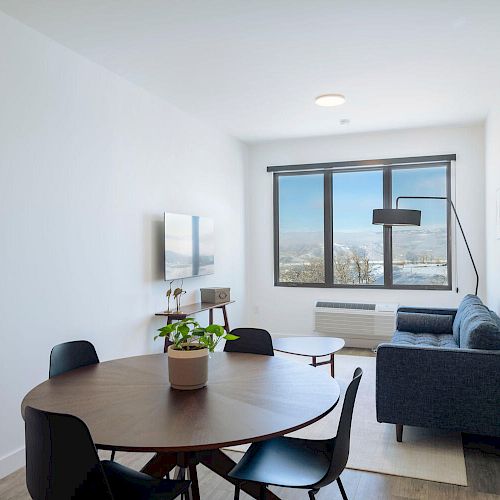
399 433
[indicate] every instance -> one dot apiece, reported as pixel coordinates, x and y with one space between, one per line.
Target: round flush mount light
329 100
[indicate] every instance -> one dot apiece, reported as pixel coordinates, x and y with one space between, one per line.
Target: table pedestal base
215 460
330 362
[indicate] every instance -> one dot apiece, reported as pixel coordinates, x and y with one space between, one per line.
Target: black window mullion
276 223
388 278
449 240
328 228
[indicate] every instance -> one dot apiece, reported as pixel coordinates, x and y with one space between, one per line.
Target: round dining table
129 405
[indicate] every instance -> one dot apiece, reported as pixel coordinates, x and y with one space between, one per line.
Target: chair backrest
252 341
340 443
70 355
61 459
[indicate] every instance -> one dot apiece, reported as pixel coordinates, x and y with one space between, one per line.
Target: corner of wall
492 191
12 462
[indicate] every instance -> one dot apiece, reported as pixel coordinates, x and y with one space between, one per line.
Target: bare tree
352 267
312 271
368 277
357 265
361 266
342 268
411 257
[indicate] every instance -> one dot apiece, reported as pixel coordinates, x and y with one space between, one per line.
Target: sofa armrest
454 389
429 310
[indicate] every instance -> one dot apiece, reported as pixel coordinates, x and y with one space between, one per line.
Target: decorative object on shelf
188 353
178 292
169 295
405 217
215 295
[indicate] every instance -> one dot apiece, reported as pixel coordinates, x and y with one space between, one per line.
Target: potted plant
188 353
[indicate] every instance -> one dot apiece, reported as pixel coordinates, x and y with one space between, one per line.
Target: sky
355 195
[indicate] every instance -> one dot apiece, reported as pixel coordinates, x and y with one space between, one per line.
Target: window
358 245
420 254
301 229
324 236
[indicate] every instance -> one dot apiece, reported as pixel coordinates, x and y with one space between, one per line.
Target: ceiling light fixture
330 100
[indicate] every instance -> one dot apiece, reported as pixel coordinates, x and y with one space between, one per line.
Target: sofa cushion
495 318
480 329
468 303
424 339
425 323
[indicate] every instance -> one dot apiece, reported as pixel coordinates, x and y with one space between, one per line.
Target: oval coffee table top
308 346
128 403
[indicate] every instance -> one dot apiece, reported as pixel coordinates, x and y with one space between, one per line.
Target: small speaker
215 295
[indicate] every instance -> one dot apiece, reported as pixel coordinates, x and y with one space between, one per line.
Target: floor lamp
406 217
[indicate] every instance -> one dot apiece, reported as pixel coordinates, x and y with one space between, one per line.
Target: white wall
88 165
492 186
290 310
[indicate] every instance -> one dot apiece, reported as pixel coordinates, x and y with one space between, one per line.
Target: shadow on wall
154 248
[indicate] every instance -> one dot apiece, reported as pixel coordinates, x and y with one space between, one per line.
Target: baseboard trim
12 462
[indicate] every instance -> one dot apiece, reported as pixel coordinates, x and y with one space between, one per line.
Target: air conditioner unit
359 324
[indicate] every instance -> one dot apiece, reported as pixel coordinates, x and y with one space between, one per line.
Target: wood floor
482 457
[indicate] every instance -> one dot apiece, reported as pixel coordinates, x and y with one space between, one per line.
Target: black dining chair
71 355
251 341
62 464
300 463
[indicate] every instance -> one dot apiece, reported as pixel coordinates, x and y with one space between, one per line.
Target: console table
191 309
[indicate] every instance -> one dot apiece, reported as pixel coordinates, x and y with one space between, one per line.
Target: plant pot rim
194 353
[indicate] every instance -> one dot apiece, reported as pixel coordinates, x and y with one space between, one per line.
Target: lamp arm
458 220
466 244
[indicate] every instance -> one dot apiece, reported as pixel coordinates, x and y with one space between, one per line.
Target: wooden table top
128 403
189 309
308 346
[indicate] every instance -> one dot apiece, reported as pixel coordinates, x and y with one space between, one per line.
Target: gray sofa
442 370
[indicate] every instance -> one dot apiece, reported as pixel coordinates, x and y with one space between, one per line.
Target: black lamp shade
396 217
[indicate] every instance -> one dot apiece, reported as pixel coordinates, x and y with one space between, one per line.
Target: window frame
386 166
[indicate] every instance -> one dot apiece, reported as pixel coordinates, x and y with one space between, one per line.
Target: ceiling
253 67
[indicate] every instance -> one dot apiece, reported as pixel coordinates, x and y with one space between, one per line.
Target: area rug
427 454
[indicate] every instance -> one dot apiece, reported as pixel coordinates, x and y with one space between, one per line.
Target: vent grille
360 325
346 305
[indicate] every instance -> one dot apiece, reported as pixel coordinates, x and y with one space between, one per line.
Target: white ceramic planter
188 370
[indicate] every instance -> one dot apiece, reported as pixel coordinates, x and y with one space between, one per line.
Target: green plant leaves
186 332
215 329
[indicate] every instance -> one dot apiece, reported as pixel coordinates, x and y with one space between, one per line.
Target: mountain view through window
355 254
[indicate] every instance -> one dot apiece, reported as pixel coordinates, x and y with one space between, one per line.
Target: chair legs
113 455
237 492
399 433
262 494
341 488
312 494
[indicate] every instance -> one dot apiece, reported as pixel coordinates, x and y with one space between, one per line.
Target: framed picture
498 214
